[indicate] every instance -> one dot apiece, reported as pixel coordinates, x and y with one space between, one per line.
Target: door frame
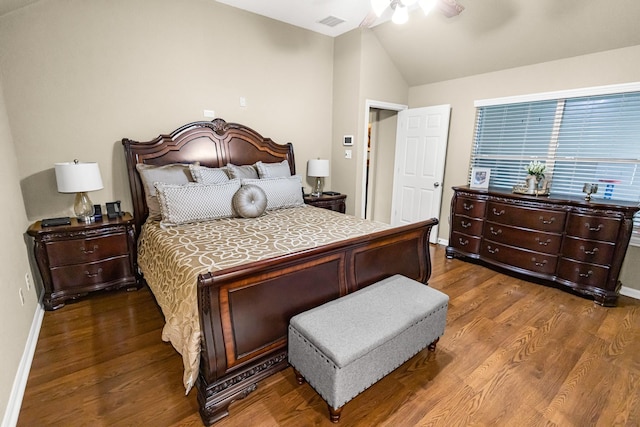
380 105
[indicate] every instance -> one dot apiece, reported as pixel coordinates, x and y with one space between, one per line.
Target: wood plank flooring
514 353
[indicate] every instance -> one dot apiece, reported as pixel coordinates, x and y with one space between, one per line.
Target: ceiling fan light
379 6
427 5
400 15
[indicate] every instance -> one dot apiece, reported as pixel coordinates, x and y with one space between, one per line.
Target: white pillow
273 170
205 175
175 173
281 192
181 204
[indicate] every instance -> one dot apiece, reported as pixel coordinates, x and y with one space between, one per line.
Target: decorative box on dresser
80 258
335 202
565 241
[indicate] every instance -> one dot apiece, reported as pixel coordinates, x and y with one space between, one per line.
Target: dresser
80 258
334 202
564 241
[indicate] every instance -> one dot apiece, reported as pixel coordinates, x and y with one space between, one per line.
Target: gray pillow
205 175
273 170
192 202
250 201
241 172
175 173
281 192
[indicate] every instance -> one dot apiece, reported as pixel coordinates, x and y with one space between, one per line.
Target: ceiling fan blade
450 8
368 20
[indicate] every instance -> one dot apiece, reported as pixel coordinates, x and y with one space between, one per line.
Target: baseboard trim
444 242
630 292
20 382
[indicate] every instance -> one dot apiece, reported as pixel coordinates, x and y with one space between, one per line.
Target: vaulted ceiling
488 35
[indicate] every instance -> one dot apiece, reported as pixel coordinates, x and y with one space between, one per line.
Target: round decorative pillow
250 201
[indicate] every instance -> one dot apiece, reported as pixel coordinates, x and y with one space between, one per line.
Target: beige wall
611 67
362 70
382 158
15 319
81 75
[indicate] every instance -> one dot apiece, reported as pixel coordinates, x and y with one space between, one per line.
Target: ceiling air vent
331 21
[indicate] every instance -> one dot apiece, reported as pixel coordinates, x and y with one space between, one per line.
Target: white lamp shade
400 15
379 6
318 167
427 5
78 177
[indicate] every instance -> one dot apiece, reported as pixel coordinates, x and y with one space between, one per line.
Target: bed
234 332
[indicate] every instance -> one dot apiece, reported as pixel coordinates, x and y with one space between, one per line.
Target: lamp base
317 190
83 207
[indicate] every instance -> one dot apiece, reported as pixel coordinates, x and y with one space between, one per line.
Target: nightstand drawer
80 251
83 275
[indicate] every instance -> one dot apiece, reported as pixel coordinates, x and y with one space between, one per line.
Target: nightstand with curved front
80 258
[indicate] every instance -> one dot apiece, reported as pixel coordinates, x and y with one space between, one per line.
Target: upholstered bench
346 345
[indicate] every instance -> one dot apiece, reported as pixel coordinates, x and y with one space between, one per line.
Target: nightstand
333 203
80 258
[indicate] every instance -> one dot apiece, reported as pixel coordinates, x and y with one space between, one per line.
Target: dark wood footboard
245 311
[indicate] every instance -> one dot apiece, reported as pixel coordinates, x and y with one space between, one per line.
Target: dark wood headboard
213 144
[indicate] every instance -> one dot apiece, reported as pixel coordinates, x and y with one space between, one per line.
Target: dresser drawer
536 219
465 242
524 238
583 274
84 275
466 225
79 251
593 227
470 207
520 258
588 250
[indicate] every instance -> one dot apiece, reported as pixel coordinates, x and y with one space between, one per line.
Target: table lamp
318 168
79 178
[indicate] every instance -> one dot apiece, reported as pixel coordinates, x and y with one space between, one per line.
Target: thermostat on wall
347 140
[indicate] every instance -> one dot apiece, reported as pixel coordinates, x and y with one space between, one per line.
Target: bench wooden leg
299 378
334 414
432 346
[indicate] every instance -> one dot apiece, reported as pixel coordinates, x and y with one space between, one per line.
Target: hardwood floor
514 354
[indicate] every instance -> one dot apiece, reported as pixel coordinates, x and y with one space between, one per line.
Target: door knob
436 184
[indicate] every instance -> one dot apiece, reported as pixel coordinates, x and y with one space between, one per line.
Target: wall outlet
347 154
209 113
243 101
28 281
21 296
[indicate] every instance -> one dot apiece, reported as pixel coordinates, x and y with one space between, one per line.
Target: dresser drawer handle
539 264
598 228
541 243
464 242
92 275
549 221
495 233
585 275
493 251
89 251
496 213
592 252
465 224
467 207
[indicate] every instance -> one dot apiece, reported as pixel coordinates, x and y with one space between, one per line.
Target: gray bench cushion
350 327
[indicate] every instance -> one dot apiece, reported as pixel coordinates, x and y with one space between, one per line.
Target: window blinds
594 139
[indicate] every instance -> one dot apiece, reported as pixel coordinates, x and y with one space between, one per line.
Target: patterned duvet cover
172 258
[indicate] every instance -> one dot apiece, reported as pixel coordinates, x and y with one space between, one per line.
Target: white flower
536 168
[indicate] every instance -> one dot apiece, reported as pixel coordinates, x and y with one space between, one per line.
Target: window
584 136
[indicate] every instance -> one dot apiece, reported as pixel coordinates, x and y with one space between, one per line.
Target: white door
421 147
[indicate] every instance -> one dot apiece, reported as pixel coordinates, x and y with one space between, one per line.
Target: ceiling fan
449 8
